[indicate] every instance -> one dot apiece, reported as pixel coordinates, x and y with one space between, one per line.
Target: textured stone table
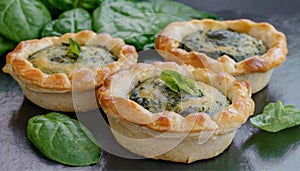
252 149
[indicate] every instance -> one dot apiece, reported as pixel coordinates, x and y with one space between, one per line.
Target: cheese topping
216 43
54 59
156 97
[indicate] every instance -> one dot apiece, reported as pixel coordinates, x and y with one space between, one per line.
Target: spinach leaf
139 23
176 82
71 21
6 45
63 5
276 117
22 19
63 139
74 49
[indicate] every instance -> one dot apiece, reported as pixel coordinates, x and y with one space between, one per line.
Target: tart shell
54 91
169 135
170 37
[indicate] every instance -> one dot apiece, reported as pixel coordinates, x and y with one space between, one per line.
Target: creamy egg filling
216 43
54 59
156 97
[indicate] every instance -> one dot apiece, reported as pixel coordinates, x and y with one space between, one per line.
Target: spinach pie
248 50
63 73
177 113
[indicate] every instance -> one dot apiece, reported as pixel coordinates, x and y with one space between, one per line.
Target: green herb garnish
71 21
63 139
139 23
276 117
23 19
74 49
176 82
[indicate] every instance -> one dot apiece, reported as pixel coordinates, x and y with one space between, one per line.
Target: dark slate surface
252 149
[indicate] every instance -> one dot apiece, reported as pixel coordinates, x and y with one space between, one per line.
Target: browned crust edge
81 79
170 37
116 103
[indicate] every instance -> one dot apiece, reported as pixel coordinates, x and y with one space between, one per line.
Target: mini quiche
55 79
150 118
245 49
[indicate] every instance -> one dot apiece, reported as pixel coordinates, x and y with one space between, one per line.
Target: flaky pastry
168 135
54 81
256 68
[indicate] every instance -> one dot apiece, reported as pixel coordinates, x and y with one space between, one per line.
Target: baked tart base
257 80
256 68
71 90
189 149
168 135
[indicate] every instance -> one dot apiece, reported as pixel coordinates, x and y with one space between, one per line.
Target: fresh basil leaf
63 139
71 21
74 49
175 81
22 19
139 23
169 81
276 117
6 45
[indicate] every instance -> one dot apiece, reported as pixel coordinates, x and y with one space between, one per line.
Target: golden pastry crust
113 98
17 61
170 37
38 84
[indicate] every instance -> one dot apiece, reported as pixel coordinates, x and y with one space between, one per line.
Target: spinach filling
155 96
55 59
216 43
